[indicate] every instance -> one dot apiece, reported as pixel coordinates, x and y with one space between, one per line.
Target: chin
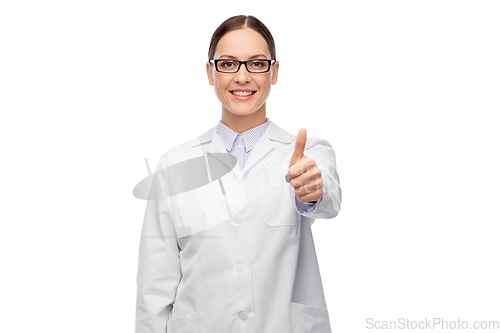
242 113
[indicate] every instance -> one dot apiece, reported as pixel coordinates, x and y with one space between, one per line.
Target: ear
275 68
209 73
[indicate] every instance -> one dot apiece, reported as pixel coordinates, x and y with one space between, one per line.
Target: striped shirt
241 144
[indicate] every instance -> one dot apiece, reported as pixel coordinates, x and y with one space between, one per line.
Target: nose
242 76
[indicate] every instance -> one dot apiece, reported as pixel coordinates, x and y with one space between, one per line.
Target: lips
241 96
243 90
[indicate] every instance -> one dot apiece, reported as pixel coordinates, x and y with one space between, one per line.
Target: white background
407 93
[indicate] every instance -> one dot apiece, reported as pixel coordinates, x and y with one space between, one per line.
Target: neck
242 123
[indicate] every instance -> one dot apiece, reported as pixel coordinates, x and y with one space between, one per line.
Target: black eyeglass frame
215 61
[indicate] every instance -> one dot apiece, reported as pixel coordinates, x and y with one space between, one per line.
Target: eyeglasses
233 66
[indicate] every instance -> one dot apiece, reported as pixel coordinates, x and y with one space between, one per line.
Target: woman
235 252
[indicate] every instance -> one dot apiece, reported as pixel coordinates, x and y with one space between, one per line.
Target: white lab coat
236 258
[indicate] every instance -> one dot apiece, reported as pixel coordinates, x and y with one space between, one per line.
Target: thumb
300 144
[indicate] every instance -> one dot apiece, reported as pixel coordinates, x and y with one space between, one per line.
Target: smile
243 93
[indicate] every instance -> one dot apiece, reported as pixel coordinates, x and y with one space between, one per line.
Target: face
242 44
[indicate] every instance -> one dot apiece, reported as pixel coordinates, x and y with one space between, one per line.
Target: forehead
242 43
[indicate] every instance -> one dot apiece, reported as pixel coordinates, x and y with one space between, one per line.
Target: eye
227 64
257 64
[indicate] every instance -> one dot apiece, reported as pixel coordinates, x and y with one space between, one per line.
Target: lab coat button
242 315
239 268
237 219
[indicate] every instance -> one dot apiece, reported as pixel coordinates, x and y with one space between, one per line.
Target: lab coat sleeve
324 156
159 270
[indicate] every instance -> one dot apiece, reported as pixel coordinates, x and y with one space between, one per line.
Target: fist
303 174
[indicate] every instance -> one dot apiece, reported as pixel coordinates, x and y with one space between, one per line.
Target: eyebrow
227 56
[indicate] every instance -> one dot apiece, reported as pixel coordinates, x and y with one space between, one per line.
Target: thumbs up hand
303 174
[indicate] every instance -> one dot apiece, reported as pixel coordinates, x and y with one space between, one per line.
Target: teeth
242 93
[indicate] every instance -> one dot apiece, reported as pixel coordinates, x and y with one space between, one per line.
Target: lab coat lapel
216 149
266 148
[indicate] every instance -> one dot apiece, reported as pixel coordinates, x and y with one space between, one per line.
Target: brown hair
238 22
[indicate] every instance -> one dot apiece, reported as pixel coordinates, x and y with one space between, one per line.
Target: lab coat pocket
187 323
276 208
309 319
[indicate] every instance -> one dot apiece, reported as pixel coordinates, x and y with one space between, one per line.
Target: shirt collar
250 137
